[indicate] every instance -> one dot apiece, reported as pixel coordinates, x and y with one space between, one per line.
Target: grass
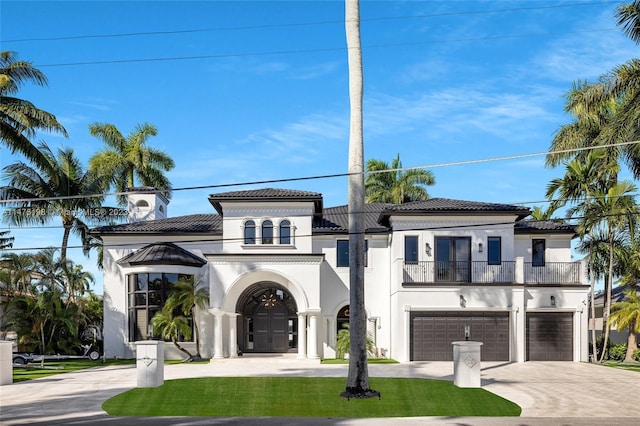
369 361
33 370
631 366
306 397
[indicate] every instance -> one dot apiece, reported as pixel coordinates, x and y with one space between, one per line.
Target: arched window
342 318
249 232
142 203
285 232
267 232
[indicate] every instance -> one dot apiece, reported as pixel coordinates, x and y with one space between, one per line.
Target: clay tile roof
336 219
162 254
544 226
196 223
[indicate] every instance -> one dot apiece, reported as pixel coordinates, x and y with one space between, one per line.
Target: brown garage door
550 336
433 332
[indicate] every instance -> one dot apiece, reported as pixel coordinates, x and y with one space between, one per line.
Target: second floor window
267 232
342 248
494 251
411 248
285 232
249 232
537 252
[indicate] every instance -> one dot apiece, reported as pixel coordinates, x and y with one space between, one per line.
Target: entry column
302 335
233 335
313 333
217 333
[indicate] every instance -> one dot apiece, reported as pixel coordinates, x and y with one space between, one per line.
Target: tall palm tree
125 159
186 296
396 185
20 120
18 271
628 16
358 376
59 188
615 207
6 242
78 281
626 314
583 176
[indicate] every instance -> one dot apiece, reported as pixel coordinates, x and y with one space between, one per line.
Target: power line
294 24
319 50
327 176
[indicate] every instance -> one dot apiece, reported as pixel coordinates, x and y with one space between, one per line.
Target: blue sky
250 91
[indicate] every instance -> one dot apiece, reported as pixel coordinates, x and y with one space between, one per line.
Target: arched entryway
268 321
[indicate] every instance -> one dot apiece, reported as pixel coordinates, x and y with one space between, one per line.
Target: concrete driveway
550 393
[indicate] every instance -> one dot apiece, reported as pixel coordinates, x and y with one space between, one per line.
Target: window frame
341 264
266 232
415 252
538 257
250 227
491 247
285 224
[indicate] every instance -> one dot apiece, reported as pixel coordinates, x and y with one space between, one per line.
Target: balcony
515 272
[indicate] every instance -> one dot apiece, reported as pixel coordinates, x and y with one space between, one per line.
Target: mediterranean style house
276 265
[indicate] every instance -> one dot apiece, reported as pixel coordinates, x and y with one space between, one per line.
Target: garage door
550 336
433 332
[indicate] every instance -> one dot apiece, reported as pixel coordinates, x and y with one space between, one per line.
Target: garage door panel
550 336
491 328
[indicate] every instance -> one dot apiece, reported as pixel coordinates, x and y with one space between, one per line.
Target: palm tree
171 327
583 176
6 242
59 188
390 184
18 272
358 376
77 280
124 159
628 16
20 120
626 314
615 207
186 296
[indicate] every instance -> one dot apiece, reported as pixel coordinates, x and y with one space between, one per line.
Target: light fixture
467 332
463 302
427 249
553 301
480 247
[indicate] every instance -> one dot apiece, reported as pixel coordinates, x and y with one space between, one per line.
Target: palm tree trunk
632 343
358 376
196 331
607 300
594 344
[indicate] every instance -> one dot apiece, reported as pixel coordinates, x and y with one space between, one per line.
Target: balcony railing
480 272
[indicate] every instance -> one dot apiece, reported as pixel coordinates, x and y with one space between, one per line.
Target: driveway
549 393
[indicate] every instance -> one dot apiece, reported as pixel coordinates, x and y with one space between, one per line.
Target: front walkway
561 390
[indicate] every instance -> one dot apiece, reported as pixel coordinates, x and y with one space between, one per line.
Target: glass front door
453 259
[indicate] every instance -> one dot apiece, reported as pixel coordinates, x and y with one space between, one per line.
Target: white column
313 336
233 335
6 362
217 333
302 335
519 270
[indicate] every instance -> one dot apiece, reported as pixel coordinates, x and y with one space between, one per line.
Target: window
342 249
342 318
537 252
453 259
249 232
494 250
411 249
147 295
285 232
267 232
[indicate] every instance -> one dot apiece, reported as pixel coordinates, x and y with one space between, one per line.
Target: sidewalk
549 393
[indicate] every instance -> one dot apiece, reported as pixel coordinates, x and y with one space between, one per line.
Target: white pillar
150 363
466 364
519 272
302 335
6 362
233 335
313 336
217 333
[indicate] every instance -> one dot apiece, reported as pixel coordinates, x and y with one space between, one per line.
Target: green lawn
306 397
33 370
631 366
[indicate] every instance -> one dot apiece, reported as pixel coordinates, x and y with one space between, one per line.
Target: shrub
617 352
636 354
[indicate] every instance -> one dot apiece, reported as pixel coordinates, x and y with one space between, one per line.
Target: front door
270 332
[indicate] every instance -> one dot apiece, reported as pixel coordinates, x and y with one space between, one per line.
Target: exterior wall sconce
467 332
553 301
480 247
463 302
427 249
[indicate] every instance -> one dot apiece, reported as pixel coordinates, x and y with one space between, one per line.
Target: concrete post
150 363
313 336
6 362
233 335
302 335
466 364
